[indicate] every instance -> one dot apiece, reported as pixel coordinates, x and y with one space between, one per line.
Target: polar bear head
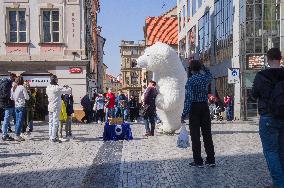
157 56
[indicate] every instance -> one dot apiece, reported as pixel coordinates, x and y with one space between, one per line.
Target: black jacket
133 103
263 85
5 101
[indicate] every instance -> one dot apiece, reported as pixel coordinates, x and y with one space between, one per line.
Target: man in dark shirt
196 106
271 129
149 111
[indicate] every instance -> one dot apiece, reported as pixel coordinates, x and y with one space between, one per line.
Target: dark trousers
200 118
100 115
149 118
88 114
132 114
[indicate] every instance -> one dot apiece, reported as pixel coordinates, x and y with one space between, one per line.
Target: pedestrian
20 95
99 108
121 105
30 106
133 105
196 107
62 119
87 108
149 110
228 100
69 102
7 105
1 118
268 89
110 105
54 92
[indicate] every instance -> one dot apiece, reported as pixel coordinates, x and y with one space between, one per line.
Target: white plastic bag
183 138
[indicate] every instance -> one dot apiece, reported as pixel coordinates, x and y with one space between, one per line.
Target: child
62 119
68 99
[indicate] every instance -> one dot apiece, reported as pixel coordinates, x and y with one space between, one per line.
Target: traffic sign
233 75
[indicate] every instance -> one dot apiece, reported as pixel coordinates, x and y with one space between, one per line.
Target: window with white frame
17 30
50 26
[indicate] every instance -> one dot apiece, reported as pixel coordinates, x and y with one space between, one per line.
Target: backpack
276 101
5 89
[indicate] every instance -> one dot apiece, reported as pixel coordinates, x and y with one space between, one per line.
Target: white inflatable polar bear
171 77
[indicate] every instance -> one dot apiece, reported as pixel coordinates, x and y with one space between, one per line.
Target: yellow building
131 74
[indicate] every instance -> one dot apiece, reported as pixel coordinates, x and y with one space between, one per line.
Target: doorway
41 103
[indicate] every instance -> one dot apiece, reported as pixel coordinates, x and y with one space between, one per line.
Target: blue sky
124 20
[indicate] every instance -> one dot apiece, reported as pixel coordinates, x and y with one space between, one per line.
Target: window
17 26
194 6
188 8
50 26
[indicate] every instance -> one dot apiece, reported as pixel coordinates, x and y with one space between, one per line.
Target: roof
163 29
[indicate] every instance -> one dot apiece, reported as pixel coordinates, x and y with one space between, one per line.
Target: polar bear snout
142 62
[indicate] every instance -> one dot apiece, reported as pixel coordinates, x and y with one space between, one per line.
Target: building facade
227 34
131 74
43 38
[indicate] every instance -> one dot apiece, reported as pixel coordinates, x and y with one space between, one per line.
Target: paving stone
87 161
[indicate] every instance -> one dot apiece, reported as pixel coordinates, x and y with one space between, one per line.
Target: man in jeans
271 129
196 106
7 104
149 111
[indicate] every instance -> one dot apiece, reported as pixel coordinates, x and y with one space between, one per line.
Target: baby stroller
217 114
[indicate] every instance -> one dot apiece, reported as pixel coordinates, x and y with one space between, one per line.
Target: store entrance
41 104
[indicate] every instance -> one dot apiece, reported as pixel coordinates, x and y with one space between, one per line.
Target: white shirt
54 93
20 95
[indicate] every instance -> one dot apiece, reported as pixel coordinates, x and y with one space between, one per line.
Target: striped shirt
196 90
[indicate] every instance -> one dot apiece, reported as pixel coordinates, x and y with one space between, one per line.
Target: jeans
8 112
149 118
20 118
271 133
229 112
53 123
68 126
110 112
200 119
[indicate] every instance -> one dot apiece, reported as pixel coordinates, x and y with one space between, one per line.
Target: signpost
233 75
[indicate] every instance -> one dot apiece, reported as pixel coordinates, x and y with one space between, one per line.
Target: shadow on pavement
234 132
17 155
108 171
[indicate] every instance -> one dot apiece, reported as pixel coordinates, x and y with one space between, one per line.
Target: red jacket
111 98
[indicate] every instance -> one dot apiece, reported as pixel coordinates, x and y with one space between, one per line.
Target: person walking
54 92
7 105
69 102
99 108
268 89
87 108
133 105
149 111
19 94
196 107
30 106
121 105
228 100
110 105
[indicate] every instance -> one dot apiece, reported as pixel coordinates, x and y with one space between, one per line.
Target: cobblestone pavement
87 161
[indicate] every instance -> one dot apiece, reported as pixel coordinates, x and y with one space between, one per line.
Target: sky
124 20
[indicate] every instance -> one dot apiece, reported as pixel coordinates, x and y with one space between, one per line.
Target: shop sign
233 75
75 70
37 81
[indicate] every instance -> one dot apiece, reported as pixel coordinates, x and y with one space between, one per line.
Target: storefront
72 73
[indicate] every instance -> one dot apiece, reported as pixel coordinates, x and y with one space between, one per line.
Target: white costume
54 93
170 76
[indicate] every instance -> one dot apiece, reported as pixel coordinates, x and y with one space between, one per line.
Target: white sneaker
63 139
135 121
99 122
